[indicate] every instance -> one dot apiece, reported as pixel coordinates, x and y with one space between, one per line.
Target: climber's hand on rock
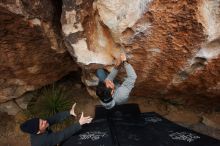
123 57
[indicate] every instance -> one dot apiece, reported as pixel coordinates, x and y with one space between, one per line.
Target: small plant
52 100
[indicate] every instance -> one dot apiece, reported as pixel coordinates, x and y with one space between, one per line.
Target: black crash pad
127 110
95 134
124 125
154 130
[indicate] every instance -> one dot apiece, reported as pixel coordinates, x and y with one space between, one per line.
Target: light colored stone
84 55
182 116
210 50
35 22
97 47
7 94
71 26
15 7
91 82
9 107
212 120
34 69
24 100
121 14
206 130
209 16
79 2
53 38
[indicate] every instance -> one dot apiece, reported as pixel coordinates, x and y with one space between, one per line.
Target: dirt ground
12 136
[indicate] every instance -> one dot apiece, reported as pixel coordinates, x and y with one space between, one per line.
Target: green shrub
51 100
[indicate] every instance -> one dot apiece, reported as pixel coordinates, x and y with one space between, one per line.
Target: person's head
43 125
34 126
104 93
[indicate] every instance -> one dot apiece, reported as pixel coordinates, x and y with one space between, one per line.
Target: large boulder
32 53
174 46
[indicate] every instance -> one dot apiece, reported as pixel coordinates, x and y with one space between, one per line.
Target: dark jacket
49 138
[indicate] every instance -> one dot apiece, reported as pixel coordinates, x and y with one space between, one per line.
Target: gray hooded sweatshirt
122 91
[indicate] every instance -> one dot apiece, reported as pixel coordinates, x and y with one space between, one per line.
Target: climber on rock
42 135
108 90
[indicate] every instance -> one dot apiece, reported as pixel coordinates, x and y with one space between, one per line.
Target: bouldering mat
125 110
124 125
154 130
95 134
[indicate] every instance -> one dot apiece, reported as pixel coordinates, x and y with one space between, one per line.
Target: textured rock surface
23 100
32 53
85 37
212 120
182 116
10 107
173 45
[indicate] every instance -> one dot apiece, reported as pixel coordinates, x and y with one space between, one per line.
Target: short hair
103 92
